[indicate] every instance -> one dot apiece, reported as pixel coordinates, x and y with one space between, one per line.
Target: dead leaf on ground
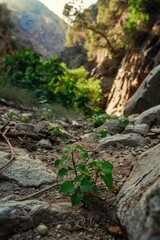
114 230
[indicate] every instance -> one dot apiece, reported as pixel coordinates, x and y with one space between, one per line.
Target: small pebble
59 235
58 226
42 229
120 183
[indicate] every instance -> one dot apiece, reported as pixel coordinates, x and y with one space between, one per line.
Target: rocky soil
31 206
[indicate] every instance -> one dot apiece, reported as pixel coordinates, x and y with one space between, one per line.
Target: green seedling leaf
82 169
86 185
57 163
62 172
86 200
107 179
78 178
96 163
103 133
64 159
124 121
107 166
61 160
84 154
95 190
55 132
80 148
67 149
76 198
67 187
70 168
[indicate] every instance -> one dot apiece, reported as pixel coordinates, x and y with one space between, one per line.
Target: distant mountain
37 27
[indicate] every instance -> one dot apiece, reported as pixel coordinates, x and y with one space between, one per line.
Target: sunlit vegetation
51 81
109 24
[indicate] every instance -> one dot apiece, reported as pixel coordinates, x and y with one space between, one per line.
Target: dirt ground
98 222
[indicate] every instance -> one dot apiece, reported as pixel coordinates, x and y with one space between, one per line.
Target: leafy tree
141 10
87 20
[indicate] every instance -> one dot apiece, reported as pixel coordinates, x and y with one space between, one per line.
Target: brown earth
99 221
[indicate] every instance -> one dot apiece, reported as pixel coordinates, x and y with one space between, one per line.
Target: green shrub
51 80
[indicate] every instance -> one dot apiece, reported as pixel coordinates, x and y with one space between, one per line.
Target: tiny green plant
100 119
124 121
103 131
55 130
25 119
84 174
11 114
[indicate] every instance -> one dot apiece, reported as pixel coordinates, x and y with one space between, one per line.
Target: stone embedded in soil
17 217
141 129
26 171
114 126
26 127
130 139
139 198
150 116
45 143
42 229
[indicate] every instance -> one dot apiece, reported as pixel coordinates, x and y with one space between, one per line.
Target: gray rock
17 217
130 139
147 95
42 126
89 136
26 127
114 126
150 116
141 129
76 125
27 172
139 199
45 143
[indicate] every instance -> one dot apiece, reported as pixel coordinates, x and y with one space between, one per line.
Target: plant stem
97 175
74 164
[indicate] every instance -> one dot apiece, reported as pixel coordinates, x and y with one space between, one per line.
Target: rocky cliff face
6 32
36 26
134 67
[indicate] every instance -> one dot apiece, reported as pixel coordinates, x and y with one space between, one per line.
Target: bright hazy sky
57 5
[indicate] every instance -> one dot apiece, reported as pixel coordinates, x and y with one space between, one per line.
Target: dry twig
39 192
10 147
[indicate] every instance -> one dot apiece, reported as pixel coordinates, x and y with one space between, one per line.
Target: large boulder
139 198
146 96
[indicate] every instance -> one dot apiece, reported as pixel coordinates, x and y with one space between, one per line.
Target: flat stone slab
141 129
17 217
130 139
26 171
139 199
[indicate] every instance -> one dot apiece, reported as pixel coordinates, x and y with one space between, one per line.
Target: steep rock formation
7 44
135 66
37 27
146 95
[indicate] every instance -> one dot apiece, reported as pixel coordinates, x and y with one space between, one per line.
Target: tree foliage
103 24
51 80
97 21
141 10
